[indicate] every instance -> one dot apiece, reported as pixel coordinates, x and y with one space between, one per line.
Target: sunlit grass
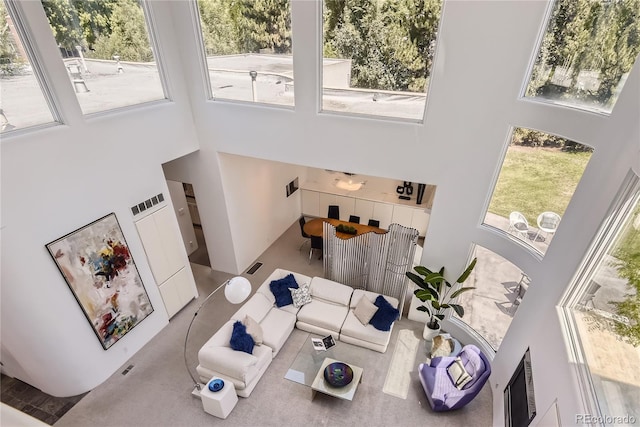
535 180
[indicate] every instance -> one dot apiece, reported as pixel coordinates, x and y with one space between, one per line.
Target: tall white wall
61 178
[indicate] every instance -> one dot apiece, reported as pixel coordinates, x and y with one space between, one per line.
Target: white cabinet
420 221
402 215
311 203
166 255
347 206
383 212
176 292
324 200
364 209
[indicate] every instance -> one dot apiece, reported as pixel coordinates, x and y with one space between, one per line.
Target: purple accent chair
440 389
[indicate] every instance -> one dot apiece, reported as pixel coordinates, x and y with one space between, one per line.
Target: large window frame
618 214
372 116
24 33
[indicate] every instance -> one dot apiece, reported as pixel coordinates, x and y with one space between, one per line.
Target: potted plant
437 293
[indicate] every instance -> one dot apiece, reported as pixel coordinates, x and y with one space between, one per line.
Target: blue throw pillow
280 289
240 339
385 316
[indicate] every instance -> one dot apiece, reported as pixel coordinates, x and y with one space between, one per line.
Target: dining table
314 228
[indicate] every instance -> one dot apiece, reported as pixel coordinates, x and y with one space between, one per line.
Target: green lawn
534 180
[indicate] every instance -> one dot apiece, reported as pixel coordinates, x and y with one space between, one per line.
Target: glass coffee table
309 365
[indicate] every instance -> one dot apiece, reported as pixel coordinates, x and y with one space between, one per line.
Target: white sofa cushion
324 315
331 291
276 328
257 306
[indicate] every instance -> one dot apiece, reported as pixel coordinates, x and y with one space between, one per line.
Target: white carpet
402 363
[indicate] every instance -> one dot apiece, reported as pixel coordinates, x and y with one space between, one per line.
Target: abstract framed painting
96 263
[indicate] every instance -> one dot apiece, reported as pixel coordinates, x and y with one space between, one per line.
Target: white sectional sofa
331 311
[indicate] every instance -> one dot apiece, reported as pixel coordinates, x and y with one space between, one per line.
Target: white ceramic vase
428 334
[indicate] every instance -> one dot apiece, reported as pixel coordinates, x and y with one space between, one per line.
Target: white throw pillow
300 296
365 310
458 374
254 329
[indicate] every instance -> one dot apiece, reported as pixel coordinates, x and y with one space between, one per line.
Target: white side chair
548 223
518 225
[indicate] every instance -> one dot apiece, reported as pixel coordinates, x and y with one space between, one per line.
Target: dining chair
307 237
316 243
374 223
334 212
354 218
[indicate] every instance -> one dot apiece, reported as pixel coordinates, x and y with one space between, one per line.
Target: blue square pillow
385 316
280 289
240 339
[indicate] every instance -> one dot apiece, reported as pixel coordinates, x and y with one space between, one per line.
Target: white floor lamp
236 290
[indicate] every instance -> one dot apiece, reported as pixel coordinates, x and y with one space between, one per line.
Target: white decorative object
428 334
219 403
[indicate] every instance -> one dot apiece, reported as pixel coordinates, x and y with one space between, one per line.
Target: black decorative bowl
338 374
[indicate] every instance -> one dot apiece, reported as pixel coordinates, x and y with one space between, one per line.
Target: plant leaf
461 290
422 270
422 308
433 277
440 316
425 295
416 279
458 309
467 272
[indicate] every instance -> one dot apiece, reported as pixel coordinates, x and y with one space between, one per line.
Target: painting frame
98 267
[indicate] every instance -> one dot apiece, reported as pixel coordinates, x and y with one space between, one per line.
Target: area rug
402 364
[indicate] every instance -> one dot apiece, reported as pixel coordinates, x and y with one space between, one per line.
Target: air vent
126 371
254 268
149 203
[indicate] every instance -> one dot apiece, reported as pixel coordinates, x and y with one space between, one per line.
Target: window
500 287
378 56
539 175
248 49
586 53
107 51
22 102
603 309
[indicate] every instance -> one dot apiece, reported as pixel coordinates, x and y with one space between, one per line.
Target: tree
218 30
93 18
262 24
389 43
11 62
628 267
128 37
64 23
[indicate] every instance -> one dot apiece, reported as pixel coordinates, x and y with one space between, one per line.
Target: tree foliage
10 60
390 43
602 37
627 254
128 38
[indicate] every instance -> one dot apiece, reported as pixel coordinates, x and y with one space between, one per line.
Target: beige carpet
399 375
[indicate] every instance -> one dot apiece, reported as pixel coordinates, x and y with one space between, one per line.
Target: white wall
257 202
59 179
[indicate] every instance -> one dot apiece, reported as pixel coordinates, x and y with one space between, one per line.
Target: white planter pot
428 333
